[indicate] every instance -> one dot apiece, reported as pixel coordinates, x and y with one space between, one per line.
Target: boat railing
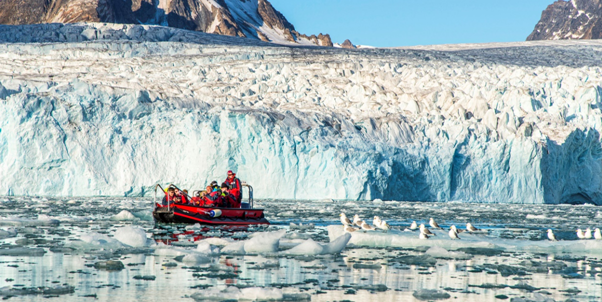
250 191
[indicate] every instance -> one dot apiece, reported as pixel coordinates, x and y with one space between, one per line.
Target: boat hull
193 214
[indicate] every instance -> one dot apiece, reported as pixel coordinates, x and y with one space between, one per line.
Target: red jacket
214 199
235 187
231 201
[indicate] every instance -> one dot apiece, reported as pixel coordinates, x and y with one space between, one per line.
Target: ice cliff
96 109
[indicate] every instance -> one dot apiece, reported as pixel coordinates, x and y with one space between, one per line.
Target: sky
389 23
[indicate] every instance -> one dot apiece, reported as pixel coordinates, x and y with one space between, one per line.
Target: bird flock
350 226
587 234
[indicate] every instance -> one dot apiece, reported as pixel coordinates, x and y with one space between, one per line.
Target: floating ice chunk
237 248
217 241
22 251
264 242
206 248
132 236
196 226
532 216
430 294
93 241
22 291
7 233
196 258
337 245
124 216
439 252
308 247
301 226
234 293
16 221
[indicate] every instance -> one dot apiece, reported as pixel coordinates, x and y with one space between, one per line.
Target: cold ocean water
109 248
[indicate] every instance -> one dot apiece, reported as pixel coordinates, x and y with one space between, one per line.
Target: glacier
110 109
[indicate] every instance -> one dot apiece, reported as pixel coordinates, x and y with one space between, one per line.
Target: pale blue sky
387 23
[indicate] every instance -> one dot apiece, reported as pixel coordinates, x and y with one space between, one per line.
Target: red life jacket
232 201
214 199
235 187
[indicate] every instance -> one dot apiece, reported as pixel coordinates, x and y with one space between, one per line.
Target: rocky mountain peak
256 19
575 19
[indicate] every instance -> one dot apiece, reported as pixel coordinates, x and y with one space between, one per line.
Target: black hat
213 183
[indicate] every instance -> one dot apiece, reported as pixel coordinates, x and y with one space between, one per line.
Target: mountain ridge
569 20
255 19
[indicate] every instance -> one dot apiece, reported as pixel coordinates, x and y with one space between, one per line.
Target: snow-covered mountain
570 20
256 19
136 105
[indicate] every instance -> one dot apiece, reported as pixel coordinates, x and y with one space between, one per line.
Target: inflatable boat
185 213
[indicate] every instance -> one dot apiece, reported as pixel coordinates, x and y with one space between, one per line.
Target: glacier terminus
112 109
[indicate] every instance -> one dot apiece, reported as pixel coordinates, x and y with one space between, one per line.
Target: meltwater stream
108 248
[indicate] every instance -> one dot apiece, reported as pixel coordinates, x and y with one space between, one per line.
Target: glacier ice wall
97 109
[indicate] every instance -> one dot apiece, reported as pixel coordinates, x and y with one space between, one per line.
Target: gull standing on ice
344 220
471 228
580 234
376 221
434 224
588 233
425 231
551 235
597 234
367 227
413 226
349 229
384 226
452 232
356 220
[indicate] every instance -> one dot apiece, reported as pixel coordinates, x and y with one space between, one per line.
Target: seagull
580 234
551 235
471 228
423 236
425 231
588 233
356 220
434 224
367 227
349 229
384 226
376 222
344 220
456 230
452 232
413 226
597 234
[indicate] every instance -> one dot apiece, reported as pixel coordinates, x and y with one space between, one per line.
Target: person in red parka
214 199
234 185
229 199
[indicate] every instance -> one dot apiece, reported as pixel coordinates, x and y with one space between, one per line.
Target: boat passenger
169 196
177 199
229 199
185 196
235 186
213 199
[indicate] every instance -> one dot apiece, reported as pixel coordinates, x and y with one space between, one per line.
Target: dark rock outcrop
347 44
576 19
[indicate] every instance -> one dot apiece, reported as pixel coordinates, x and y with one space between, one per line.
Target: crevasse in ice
139 105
